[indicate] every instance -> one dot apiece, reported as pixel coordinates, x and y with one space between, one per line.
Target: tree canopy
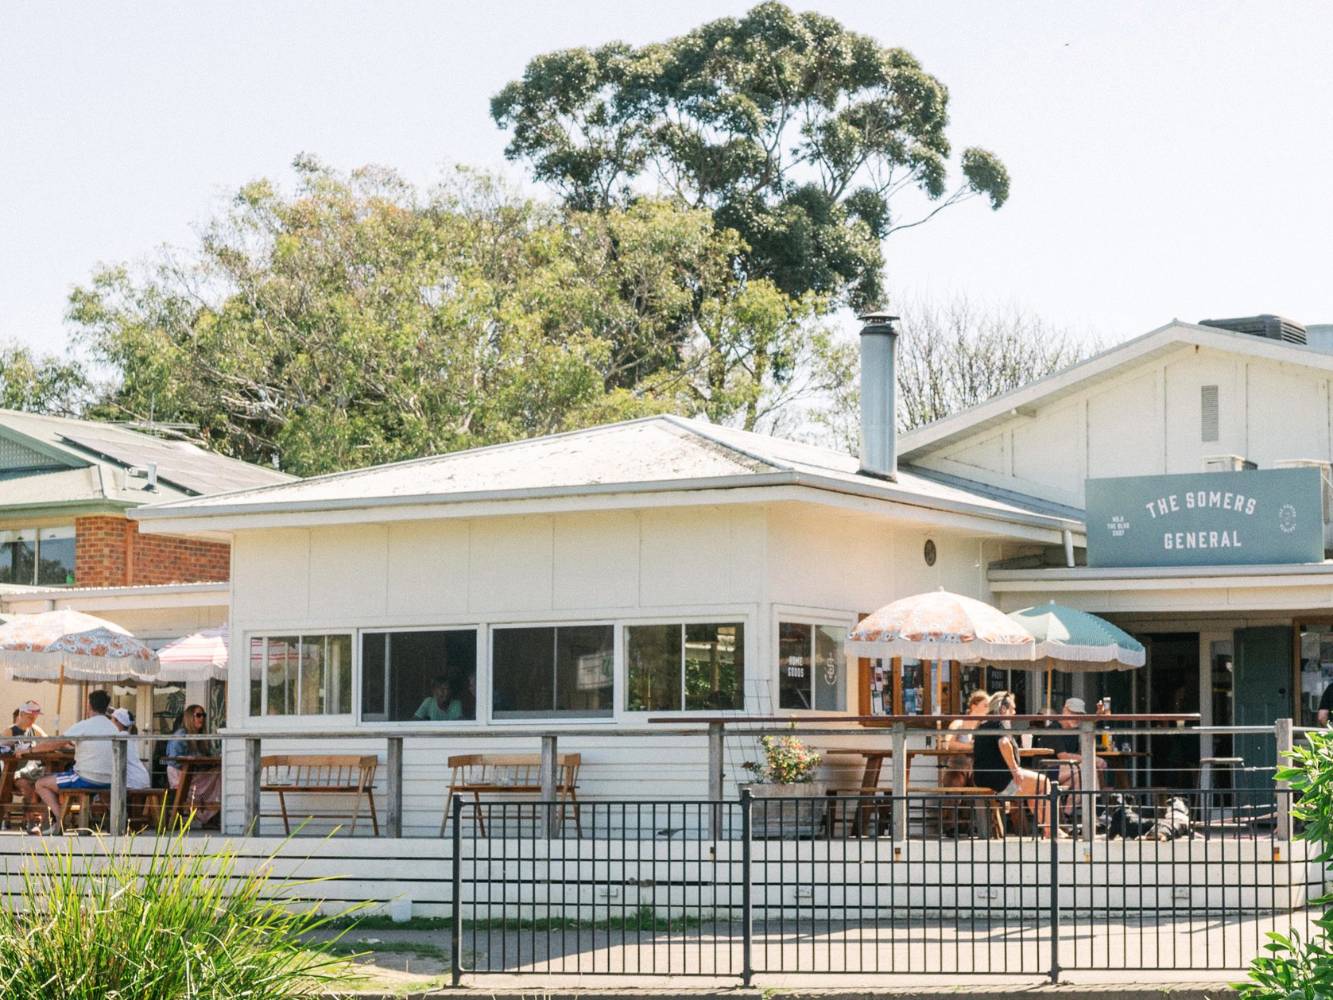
360 320
40 384
793 131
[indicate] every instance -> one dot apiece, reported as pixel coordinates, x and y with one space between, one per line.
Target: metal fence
819 886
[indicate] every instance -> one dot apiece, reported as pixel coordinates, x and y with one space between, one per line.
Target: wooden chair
511 774
320 775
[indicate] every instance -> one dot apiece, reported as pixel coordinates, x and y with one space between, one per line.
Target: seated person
1069 774
92 758
25 724
205 786
996 763
136 775
442 705
957 771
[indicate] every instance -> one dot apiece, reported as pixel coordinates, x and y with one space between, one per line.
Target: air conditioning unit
1326 474
1227 463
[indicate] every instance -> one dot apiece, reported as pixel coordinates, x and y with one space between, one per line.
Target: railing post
1054 816
550 764
715 777
899 801
747 905
252 778
456 904
393 764
1087 751
120 812
1284 734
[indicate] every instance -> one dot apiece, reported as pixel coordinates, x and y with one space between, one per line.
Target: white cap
124 717
1076 706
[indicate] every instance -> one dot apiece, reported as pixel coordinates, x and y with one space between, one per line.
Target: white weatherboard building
669 568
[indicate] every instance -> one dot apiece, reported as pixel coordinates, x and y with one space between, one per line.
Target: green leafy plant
1296 967
787 761
169 924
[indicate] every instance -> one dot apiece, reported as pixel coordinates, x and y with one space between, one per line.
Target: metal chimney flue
879 392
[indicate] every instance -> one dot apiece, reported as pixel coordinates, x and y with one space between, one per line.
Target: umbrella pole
1050 676
60 690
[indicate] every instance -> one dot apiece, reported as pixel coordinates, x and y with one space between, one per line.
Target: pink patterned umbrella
199 656
69 645
941 626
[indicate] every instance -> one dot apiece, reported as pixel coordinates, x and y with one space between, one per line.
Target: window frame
814 617
555 718
285 720
748 639
483 716
36 529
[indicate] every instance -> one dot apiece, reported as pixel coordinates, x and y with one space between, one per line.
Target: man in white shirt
92 758
136 775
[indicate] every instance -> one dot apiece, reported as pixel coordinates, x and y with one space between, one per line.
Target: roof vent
878 394
1265 325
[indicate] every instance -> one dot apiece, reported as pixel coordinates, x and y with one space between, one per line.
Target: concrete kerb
1078 991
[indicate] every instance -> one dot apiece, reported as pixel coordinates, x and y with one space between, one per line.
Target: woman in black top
995 762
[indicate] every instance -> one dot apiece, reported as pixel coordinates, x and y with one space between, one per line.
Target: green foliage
360 320
40 385
793 131
1294 967
787 761
171 925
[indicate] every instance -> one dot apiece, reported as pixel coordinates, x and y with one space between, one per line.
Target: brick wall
110 552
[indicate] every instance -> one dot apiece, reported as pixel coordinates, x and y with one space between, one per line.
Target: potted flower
787 774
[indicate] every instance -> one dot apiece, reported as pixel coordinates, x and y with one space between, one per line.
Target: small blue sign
1207 519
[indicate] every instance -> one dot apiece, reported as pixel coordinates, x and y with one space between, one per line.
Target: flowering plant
787 761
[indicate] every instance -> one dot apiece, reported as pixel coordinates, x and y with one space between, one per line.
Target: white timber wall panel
510 565
698 556
1288 414
348 571
987 454
1125 429
596 560
427 568
271 575
1058 431
1185 379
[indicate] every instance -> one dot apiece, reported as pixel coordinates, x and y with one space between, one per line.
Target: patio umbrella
200 656
1076 642
69 645
940 626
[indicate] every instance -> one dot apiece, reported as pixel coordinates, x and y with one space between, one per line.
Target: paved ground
1113 959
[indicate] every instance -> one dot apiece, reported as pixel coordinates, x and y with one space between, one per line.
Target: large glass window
423 676
812 669
552 671
692 666
301 675
37 556
1316 655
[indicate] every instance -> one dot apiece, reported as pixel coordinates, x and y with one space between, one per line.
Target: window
301 675
694 667
37 556
811 667
424 676
554 671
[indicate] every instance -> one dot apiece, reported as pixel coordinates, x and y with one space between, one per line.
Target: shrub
787 761
172 924
1294 967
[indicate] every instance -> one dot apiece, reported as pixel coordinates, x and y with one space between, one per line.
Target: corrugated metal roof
665 451
89 463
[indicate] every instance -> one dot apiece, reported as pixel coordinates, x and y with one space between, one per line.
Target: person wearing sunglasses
186 741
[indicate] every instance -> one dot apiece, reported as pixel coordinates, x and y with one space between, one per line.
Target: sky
1168 160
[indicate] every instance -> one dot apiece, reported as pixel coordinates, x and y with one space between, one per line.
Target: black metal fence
1190 880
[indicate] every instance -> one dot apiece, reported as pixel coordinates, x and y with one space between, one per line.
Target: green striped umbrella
1077 642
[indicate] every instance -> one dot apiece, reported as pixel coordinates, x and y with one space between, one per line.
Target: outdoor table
189 765
1121 774
875 757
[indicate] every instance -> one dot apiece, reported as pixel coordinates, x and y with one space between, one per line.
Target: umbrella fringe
24 665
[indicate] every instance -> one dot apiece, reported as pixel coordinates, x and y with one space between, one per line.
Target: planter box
788 812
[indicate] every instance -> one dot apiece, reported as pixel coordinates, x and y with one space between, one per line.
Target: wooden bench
973 797
321 774
144 805
478 774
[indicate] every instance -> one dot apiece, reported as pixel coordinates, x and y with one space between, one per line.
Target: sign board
1207 519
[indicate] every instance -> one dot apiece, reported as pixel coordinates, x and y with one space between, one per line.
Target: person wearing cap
1066 747
136 775
92 757
24 725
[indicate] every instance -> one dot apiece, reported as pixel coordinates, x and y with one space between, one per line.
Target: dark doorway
1172 675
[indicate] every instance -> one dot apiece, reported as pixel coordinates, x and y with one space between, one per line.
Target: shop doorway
1172 684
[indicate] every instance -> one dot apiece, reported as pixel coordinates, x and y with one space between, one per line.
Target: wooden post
1283 732
1087 751
715 778
393 764
899 782
250 818
550 764
120 812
